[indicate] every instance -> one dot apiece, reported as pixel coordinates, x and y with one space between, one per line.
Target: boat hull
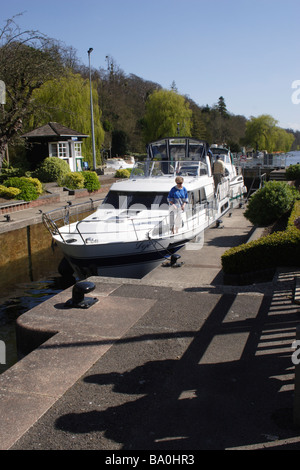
133 266
132 259
129 260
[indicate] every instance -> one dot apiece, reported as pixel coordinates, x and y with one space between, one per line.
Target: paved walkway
176 361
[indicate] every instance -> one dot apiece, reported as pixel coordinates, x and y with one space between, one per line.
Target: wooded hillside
46 82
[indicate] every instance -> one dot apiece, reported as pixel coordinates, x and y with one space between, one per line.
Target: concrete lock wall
26 254
23 242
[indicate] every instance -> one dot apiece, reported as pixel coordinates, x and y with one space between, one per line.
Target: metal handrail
63 213
67 208
135 222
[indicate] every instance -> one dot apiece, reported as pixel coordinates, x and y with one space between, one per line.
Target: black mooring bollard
78 292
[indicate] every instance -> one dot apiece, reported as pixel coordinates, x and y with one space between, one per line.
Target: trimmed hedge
9 193
28 188
123 173
269 203
52 169
91 181
72 181
84 179
293 172
38 185
276 249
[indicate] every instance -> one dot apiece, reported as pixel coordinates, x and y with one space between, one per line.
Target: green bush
295 213
269 203
91 181
9 193
27 188
276 249
38 185
293 172
52 169
9 173
122 173
72 181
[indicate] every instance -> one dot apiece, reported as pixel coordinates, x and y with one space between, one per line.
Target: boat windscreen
197 151
219 151
159 152
177 149
124 200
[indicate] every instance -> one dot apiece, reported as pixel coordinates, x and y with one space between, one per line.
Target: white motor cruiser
237 188
132 231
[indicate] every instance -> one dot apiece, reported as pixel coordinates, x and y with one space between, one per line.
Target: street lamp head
90 50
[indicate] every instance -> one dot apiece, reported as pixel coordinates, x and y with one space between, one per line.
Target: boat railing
135 225
153 168
191 218
101 228
267 161
157 226
59 217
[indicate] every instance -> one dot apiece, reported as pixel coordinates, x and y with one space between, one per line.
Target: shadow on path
187 404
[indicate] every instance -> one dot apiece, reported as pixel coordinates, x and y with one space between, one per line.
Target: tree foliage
222 109
67 100
119 143
46 82
27 60
122 99
167 113
262 133
269 203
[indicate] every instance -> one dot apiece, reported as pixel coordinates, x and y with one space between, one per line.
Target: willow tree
67 100
283 140
27 60
262 133
167 114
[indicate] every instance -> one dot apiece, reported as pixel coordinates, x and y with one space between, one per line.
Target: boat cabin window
159 152
125 199
197 196
196 152
177 152
188 168
200 196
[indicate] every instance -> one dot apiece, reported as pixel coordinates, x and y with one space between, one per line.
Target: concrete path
176 361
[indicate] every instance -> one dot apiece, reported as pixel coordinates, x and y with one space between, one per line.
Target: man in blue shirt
178 198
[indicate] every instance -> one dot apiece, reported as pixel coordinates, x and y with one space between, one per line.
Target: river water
22 288
28 288
293 158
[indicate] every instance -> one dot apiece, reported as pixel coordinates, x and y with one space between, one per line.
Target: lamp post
92 113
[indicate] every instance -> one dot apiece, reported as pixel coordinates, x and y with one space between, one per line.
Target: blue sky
246 51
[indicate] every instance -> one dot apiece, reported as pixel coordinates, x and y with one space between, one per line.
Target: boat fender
78 300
